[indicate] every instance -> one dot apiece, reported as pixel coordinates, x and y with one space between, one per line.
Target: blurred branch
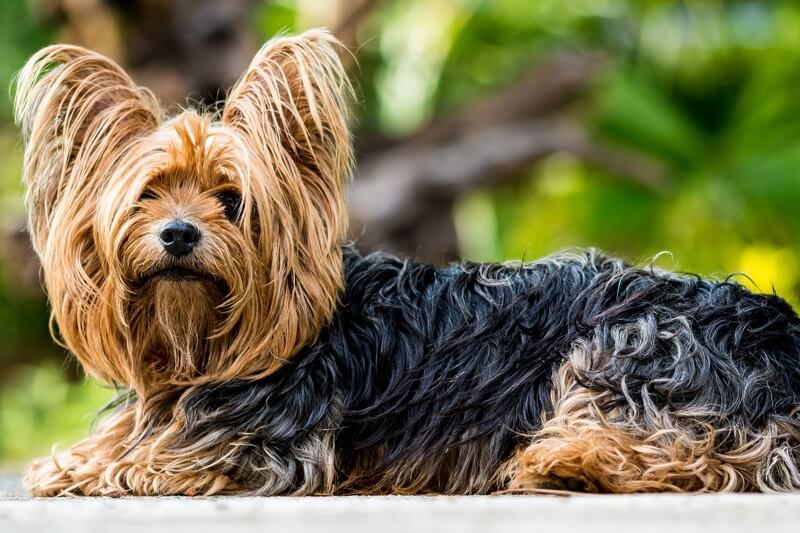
404 189
546 88
399 190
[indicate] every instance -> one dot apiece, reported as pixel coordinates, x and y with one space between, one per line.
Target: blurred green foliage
706 88
41 410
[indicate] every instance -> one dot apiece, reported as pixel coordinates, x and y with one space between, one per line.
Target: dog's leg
69 473
584 447
611 438
103 465
80 469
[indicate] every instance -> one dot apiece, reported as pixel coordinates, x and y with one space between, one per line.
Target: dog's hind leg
610 431
585 446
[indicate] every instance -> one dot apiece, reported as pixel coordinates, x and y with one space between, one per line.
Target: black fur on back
431 378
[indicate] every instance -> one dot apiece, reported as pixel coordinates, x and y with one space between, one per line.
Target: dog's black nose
179 237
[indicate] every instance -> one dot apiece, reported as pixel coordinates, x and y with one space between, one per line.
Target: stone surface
673 513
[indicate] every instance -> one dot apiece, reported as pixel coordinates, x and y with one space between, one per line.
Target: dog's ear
79 114
290 110
77 110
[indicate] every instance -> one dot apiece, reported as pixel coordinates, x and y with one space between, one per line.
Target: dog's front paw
64 474
48 477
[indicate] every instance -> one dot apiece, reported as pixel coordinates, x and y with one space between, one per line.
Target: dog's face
195 248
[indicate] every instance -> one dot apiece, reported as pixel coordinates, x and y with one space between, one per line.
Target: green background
705 90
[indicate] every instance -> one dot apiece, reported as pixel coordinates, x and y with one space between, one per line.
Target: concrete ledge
479 514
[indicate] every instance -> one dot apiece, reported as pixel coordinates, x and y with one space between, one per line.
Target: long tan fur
95 142
104 168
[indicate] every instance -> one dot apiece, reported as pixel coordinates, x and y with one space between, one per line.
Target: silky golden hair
104 167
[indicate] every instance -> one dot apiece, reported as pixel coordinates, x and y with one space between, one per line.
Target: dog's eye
147 195
232 202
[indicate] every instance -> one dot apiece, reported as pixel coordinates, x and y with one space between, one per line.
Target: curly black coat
431 379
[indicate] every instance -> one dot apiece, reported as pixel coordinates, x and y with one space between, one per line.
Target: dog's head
193 248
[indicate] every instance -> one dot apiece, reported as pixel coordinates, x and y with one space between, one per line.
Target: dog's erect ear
290 110
76 109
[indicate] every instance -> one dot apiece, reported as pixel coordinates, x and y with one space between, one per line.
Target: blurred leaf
634 111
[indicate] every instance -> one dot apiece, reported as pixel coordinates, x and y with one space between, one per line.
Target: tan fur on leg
588 444
108 464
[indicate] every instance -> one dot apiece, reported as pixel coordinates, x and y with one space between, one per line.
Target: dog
199 264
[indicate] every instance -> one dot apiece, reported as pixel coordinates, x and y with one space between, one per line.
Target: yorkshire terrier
199 263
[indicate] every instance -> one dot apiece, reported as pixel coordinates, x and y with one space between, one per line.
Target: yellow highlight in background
769 267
